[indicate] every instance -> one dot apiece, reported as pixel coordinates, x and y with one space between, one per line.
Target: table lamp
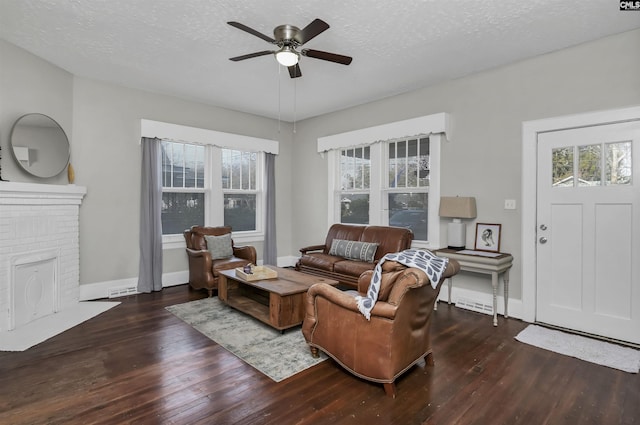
457 207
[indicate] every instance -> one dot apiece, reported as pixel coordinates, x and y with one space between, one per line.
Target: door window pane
618 163
409 210
562 166
589 160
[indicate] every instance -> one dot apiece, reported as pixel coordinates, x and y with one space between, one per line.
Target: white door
588 230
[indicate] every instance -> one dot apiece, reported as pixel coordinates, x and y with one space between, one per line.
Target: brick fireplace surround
39 250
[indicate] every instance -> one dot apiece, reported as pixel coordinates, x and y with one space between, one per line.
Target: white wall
483 158
103 125
29 84
106 156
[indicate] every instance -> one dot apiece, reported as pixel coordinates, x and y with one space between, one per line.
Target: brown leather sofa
203 270
317 261
397 336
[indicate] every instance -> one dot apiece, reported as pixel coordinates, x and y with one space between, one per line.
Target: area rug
40 330
277 355
581 347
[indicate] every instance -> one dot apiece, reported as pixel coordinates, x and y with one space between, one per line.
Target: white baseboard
94 291
98 290
463 296
288 261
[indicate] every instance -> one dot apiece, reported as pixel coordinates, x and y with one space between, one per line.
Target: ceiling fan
288 39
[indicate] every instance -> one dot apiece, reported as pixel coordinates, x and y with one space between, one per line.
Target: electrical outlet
509 204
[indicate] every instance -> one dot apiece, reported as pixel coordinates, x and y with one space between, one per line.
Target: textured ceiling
181 47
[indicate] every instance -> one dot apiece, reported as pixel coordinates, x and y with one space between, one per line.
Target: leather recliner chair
396 337
203 270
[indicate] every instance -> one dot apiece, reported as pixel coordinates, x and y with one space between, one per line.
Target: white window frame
340 193
206 190
214 142
436 127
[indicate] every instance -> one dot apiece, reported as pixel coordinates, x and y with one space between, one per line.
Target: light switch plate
509 204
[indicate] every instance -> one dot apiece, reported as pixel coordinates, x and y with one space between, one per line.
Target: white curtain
150 270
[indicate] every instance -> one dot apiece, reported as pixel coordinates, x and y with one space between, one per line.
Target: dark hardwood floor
138 364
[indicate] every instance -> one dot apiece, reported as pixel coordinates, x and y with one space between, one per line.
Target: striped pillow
353 250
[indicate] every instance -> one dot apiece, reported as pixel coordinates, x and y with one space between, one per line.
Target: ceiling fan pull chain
279 95
295 105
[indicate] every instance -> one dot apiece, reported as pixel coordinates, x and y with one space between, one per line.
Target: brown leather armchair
203 271
396 337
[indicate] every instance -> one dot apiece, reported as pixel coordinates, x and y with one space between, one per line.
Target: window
355 166
404 194
408 185
183 191
239 188
593 167
211 178
378 178
225 192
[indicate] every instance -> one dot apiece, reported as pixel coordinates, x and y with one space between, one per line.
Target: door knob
543 240
543 227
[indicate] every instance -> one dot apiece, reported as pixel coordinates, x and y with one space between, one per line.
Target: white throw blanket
426 261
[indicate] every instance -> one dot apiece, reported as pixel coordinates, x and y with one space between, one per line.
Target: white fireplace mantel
17 193
38 220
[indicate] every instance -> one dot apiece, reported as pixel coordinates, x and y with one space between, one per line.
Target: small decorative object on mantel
1 179
71 174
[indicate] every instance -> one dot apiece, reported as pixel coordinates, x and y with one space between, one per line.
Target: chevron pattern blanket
425 260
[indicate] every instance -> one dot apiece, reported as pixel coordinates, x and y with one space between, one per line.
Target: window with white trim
402 196
183 188
410 190
407 188
240 190
211 186
355 185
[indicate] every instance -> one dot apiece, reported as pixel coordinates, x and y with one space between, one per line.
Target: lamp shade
458 207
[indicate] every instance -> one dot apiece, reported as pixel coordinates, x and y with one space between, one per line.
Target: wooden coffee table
278 302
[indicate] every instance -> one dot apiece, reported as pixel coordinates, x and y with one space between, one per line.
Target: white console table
494 265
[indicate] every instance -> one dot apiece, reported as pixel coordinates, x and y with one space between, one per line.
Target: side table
490 263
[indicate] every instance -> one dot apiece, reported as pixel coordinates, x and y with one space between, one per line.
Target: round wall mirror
40 145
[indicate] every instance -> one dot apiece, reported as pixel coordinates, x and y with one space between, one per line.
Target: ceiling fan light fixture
287 56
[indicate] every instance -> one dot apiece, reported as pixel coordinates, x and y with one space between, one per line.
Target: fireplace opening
33 288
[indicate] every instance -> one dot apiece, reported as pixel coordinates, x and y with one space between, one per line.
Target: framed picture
488 237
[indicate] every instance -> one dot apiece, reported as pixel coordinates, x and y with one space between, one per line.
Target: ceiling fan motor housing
285 35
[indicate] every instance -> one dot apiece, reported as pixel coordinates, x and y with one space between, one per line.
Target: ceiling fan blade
294 71
332 57
315 28
251 31
251 55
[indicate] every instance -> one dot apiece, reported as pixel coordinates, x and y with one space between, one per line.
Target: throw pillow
353 250
219 246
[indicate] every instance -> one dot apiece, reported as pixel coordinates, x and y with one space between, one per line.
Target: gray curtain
150 271
270 254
